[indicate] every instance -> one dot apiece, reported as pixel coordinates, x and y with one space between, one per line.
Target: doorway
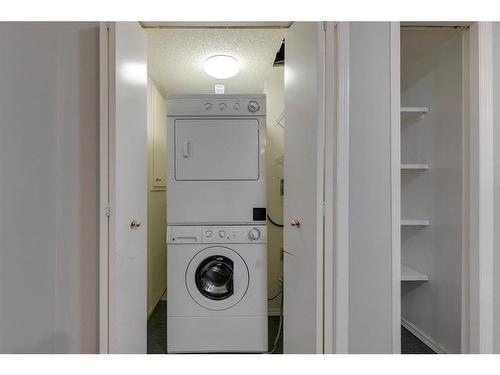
126 44
432 187
445 117
175 66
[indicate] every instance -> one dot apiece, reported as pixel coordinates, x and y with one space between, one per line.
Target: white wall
49 134
370 258
157 198
274 90
431 75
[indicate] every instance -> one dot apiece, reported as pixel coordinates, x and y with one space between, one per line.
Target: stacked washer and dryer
216 224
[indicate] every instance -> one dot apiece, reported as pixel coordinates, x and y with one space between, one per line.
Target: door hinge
107 210
325 24
323 208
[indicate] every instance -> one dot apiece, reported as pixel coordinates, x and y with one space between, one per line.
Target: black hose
276 296
273 222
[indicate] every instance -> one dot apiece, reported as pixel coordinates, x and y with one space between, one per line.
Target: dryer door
216 149
217 278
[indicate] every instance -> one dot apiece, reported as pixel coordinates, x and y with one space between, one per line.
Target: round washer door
217 278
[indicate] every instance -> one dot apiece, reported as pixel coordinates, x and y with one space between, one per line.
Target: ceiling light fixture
221 66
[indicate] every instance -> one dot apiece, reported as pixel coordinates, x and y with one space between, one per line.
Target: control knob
208 106
254 234
222 106
208 233
222 233
253 106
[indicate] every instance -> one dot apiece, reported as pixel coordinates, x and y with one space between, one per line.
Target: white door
124 185
304 158
216 149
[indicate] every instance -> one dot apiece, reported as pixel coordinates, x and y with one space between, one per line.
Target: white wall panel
49 186
496 130
370 257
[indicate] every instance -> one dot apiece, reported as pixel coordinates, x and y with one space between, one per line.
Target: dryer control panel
216 105
178 234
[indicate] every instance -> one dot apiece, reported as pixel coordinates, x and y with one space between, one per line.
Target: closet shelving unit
407 273
433 72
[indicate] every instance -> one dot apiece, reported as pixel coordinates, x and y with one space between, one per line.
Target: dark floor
272 326
410 344
157 331
157 335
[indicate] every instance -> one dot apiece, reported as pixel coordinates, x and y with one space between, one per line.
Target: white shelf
414 166
414 110
409 274
415 222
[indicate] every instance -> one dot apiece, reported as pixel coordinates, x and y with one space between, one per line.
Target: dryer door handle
186 149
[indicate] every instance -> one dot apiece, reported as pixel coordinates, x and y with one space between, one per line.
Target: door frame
480 253
336 190
110 331
478 229
106 152
395 157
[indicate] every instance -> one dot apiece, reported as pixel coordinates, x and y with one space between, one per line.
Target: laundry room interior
176 57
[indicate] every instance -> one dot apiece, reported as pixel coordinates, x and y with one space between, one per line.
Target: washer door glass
214 277
217 278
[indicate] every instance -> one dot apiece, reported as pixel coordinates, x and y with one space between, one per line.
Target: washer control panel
216 234
234 234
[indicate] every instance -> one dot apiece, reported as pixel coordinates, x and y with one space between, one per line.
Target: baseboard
438 348
273 311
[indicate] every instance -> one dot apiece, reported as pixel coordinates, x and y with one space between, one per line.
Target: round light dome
221 66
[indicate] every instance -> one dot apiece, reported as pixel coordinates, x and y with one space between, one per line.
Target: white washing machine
216 161
217 289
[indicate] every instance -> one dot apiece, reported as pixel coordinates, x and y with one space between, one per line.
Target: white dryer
217 289
216 163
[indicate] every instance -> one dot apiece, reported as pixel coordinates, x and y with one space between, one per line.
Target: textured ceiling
175 58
